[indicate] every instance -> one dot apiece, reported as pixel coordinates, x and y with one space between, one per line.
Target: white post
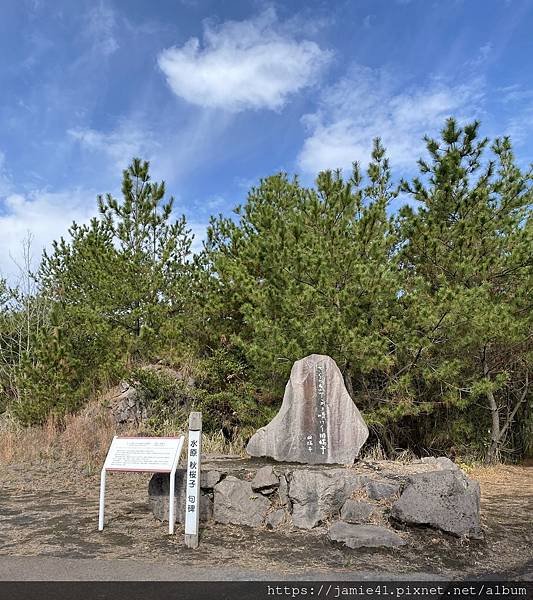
171 501
192 492
102 500
172 486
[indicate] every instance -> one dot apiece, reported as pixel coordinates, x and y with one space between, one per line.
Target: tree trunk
348 380
495 435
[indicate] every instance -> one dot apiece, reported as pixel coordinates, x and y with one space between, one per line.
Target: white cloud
199 230
45 216
367 104
5 179
119 145
243 65
367 21
515 93
485 53
100 29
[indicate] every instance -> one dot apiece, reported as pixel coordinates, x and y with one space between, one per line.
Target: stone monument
317 423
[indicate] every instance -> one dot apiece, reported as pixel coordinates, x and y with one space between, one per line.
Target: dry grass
376 453
373 453
215 443
85 437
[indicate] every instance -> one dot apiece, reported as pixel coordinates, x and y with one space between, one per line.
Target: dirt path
49 510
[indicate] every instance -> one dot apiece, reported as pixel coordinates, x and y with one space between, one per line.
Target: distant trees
427 310
24 312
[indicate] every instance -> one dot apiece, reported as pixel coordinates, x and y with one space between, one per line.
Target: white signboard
142 455
192 496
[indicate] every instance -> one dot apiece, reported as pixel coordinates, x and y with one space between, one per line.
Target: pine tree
51 379
127 268
114 287
467 265
310 270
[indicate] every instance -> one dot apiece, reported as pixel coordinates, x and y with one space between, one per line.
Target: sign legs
171 501
102 501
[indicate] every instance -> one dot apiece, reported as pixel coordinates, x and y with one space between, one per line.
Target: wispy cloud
44 216
243 65
172 152
520 127
100 28
119 145
5 178
517 101
368 103
367 21
515 93
482 57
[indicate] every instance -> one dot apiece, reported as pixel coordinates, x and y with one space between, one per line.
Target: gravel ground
50 510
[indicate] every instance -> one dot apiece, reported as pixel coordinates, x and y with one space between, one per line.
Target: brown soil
51 509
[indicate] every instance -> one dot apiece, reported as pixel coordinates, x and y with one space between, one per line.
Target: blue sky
217 94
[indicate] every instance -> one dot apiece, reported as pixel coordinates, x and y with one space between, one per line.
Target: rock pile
358 506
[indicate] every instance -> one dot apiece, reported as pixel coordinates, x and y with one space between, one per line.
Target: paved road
36 568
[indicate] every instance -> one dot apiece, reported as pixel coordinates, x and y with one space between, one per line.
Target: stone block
158 493
208 479
382 490
235 502
357 511
447 500
275 518
319 495
364 536
265 480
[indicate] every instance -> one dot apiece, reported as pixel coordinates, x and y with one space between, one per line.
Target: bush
165 399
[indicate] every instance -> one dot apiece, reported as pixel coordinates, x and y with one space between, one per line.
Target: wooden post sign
142 455
192 494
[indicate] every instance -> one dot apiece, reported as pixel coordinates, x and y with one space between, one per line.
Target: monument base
368 504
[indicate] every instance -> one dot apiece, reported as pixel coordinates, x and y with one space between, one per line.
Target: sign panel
193 483
142 454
